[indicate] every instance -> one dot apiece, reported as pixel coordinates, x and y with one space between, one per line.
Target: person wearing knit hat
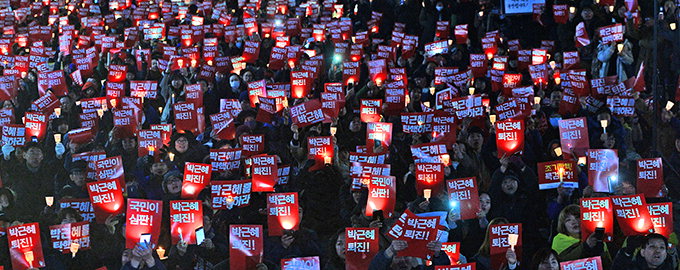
172 185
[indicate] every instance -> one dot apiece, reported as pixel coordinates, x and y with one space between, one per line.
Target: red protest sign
499 240
320 149
52 80
25 247
478 65
560 14
370 110
611 33
417 232
106 197
46 103
621 106
301 83
571 60
117 73
256 89
149 142
246 246
430 153
252 144
223 125
452 250
63 235
142 217
283 212
468 107
226 159
416 122
307 113
166 131
36 125
508 110
227 194
264 173
378 132
632 214
9 86
110 168
377 69
361 245
125 122
144 89
196 177
307 263
82 206
662 218
574 135
185 217
597 213
650 177
461 33
551 174
464 197
509 137
362 172
186 116
581 36
437 47
603 169
429 176
382 195
350 72
592 263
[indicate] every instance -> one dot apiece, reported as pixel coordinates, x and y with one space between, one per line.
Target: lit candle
471 90
179 232
100 112
49 200
669 105
151 150
450 42
333 130
171 156
446 159
561 172
427 193
160 109
600 224
57 138
512 240
673 26
426 103
604 124
74 249
619 47
327 160
28 255
581 160
572 10
552 64
432 90
611 9
492 118
558 151
537 100
57 111
481 13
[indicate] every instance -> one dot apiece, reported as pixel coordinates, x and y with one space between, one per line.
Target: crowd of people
163 86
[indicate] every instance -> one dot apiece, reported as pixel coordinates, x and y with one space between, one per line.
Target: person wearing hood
429 16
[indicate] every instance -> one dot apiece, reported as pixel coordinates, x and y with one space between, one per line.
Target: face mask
439 8
235 85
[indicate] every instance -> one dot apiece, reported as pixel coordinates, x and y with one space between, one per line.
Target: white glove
7 150
59 149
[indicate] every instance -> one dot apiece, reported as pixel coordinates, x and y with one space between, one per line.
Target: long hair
484 249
